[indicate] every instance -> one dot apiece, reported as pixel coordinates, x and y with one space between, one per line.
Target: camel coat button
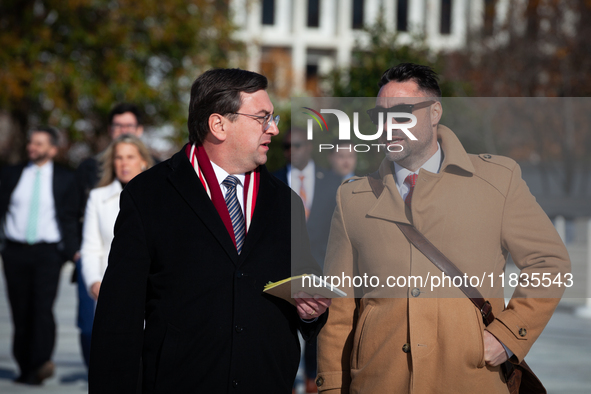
406 348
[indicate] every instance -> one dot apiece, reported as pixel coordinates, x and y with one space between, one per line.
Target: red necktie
411 181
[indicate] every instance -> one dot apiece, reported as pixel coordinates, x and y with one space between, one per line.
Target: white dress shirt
101 212
400 173
221 175
309 173
349 175
17 216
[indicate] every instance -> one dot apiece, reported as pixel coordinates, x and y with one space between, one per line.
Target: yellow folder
314 285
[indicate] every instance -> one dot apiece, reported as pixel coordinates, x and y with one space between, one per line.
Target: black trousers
32 275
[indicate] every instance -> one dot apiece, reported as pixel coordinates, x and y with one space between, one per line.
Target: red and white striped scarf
202 165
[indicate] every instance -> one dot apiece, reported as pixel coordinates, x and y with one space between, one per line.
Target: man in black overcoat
197 238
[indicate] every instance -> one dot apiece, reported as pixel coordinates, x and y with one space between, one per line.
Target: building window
489 16
312 79
358 14
313 13
402 15
445 27
268 12
276 66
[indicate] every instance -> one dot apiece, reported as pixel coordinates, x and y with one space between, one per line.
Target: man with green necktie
38 236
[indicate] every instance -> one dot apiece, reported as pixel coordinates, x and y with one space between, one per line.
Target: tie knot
230 182
411 180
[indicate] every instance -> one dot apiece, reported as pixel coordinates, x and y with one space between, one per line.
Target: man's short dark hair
122 108
54 135
218 91
423 76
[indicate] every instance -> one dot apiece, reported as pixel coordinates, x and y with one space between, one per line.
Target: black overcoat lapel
264 212
11 176
184 179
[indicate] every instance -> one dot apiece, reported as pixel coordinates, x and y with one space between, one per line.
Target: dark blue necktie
235 211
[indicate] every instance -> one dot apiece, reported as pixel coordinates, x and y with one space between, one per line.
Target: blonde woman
125 158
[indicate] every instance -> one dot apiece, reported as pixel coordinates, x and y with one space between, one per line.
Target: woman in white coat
125 158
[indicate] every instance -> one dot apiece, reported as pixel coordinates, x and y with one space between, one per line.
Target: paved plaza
561 357
71 374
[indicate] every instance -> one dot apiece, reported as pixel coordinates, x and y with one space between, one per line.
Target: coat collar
453 151
390 205
113 189
185 181
263 211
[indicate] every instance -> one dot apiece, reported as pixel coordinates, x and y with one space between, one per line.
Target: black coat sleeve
302 261
119 320
68 202
5 192
86 179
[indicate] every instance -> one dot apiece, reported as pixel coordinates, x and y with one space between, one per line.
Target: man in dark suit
314 184
197 238
317 187
39 235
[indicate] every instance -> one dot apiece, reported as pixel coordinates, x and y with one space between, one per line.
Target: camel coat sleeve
529 235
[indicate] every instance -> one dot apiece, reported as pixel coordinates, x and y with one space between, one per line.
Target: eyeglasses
267 119
117 126
406 108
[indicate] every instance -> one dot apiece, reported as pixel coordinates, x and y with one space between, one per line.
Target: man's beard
410 148
40 158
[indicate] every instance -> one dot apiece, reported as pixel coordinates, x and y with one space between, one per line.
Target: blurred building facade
294 41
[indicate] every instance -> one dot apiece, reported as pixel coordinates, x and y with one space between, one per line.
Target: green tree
65 63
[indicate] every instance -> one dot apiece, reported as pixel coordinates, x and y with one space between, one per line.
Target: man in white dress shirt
38 237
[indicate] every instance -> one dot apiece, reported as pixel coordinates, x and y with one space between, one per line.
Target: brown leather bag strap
436 257
447 267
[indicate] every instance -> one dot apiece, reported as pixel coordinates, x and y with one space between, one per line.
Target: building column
346 41
298 50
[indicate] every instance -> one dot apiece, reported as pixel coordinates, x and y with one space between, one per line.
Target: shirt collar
308 170
432 165
45 168
221 174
